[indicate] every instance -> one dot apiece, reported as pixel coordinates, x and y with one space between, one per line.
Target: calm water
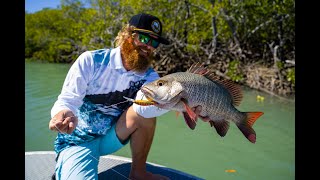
201 152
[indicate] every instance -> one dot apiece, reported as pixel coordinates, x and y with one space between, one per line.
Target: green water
200 152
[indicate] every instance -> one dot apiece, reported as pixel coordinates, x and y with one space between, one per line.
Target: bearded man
92 116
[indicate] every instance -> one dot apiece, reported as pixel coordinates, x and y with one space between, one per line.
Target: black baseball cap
149 24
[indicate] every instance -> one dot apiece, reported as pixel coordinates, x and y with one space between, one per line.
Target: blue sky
32 6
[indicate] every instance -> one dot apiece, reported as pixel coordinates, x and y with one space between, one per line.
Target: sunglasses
145 39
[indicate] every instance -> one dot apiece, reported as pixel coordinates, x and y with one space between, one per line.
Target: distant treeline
227 33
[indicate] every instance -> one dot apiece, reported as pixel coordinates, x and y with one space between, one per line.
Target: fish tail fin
246 124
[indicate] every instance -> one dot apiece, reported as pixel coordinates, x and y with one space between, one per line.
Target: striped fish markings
182 91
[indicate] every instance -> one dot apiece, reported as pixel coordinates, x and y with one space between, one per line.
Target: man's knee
142 122
135 120
130 121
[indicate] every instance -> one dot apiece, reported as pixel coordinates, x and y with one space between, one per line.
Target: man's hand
63 122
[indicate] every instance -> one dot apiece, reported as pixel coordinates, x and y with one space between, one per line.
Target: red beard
132 59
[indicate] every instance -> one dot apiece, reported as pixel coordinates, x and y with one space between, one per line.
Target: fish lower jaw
166 105
163 106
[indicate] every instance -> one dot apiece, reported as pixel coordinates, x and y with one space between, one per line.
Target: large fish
183 91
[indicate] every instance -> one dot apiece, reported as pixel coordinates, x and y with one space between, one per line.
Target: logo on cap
155 25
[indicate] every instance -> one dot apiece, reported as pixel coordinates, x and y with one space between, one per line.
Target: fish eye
160 83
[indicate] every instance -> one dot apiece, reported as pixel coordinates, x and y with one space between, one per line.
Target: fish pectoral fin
192 124
191 114
246 124
190 117
221 126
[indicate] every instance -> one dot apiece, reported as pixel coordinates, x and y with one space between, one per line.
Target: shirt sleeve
148 111
75 84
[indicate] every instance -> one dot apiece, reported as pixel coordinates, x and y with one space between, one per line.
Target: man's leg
140 130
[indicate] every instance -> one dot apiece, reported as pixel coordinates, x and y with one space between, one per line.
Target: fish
199 86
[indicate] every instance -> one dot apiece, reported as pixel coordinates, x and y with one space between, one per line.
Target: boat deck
39 165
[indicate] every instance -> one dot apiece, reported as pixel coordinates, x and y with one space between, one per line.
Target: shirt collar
115 59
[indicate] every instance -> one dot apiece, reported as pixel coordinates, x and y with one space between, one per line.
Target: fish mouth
148 93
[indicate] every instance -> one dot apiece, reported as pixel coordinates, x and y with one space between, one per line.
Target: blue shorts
81 161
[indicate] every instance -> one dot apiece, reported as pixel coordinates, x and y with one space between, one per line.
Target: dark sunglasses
145 39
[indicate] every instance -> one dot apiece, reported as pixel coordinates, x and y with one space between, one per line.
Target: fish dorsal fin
234 89
198 68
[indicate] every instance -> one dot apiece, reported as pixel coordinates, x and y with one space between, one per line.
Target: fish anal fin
246 125
188 120
221 126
